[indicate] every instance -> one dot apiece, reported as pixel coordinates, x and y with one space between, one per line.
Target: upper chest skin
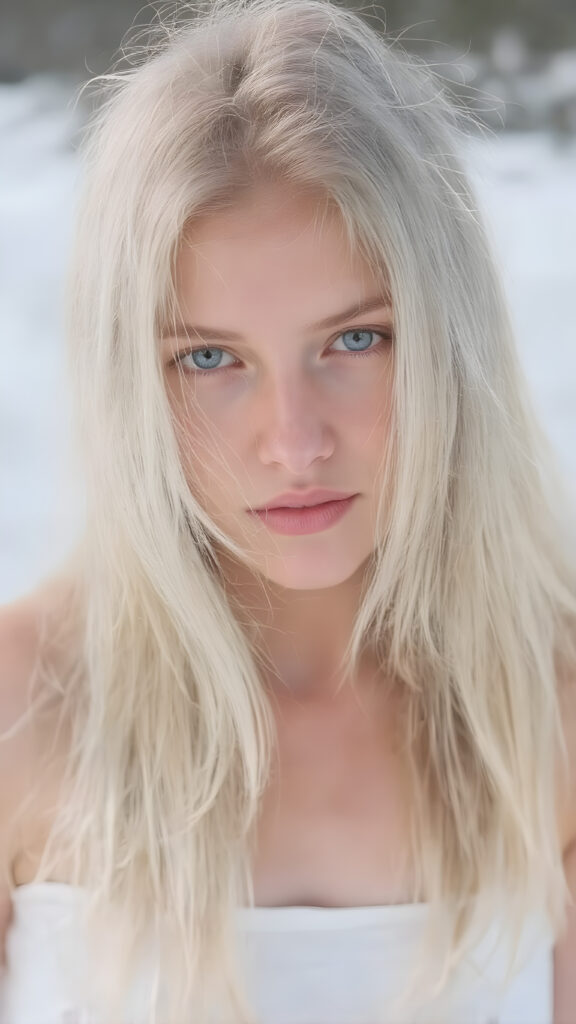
332 828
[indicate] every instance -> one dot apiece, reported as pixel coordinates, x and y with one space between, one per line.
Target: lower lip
305 520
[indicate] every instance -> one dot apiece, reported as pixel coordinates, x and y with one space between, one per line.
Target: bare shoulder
32 650
19 651
566 674
17 657
24 628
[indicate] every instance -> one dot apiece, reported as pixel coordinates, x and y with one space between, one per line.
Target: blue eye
208 354
360 339
363 346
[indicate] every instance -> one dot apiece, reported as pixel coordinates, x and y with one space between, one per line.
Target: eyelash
387 335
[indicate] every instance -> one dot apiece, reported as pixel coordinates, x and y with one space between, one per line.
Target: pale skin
295 408
288 406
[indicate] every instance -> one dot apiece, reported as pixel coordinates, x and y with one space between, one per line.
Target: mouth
274 508
314 499
307 518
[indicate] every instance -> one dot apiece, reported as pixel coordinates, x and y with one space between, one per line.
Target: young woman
272 764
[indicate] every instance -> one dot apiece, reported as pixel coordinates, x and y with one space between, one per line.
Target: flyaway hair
470 597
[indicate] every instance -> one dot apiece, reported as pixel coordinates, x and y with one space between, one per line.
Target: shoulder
566 679
18 648
26 636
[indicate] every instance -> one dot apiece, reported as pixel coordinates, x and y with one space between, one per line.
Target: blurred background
512 62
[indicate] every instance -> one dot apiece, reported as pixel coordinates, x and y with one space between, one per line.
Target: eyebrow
217 334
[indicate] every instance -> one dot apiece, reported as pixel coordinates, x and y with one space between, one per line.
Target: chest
333 828
333 824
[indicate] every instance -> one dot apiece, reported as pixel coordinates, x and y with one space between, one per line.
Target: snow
526 186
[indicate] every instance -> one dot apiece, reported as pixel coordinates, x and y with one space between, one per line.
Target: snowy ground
527 185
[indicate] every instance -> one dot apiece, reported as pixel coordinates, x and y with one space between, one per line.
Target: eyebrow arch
216 334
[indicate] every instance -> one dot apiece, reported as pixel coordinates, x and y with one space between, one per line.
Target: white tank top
305 965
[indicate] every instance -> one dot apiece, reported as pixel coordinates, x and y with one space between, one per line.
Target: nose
295 427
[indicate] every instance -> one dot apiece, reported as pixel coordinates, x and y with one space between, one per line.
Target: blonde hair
470 597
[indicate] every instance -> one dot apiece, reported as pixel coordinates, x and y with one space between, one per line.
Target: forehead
274 246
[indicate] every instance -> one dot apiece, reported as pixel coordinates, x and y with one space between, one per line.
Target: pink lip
313 496
312 519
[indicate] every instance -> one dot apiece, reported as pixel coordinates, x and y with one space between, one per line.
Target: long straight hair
470 594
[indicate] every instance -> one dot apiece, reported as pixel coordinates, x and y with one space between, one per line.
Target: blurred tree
544 26
81 36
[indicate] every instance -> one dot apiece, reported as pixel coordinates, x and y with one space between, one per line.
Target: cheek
200 409
369 414
207 448
186 425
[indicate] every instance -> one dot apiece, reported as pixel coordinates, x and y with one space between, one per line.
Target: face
264 398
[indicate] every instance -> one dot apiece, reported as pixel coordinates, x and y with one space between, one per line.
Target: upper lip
312 497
